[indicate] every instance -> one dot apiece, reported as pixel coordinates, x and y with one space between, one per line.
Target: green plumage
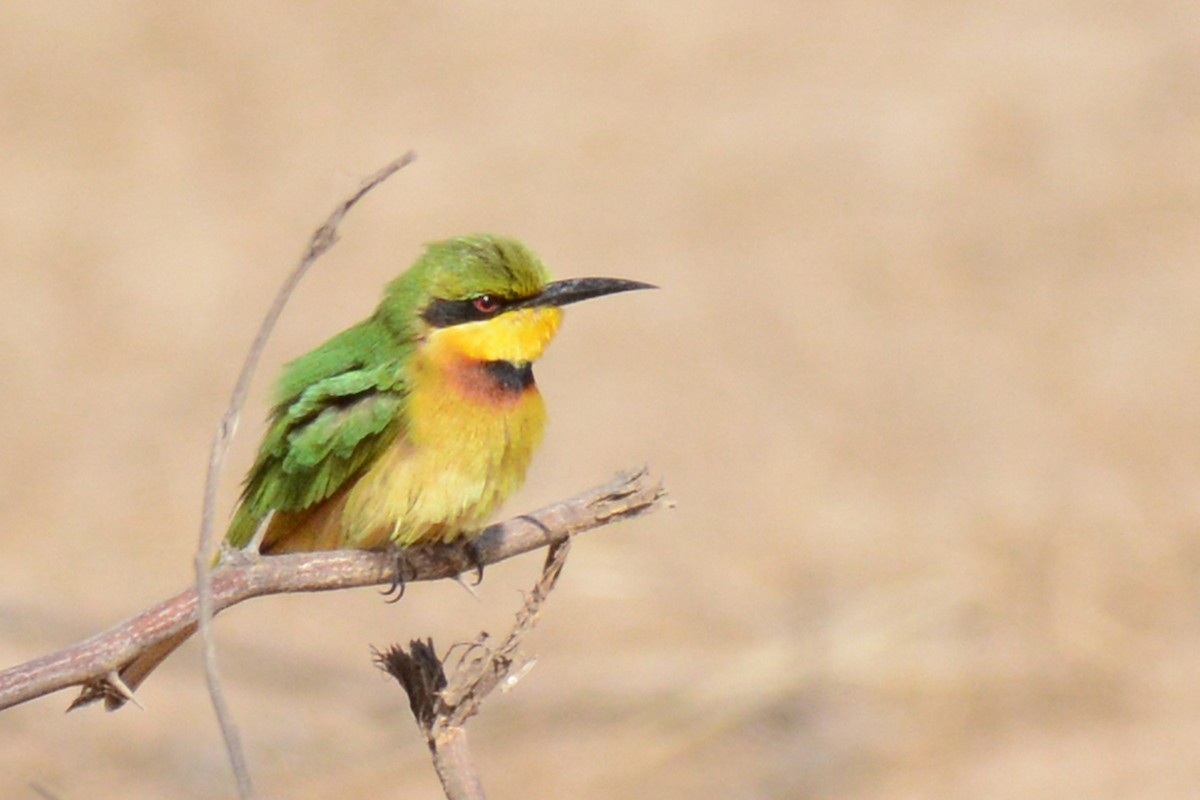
336 409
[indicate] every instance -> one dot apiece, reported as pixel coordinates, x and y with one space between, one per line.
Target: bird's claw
475 557
400 578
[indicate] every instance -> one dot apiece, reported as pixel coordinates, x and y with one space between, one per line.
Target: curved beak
573 290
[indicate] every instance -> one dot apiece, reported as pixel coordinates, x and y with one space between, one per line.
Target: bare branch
475 678
122 647
322 239
442 706
420 672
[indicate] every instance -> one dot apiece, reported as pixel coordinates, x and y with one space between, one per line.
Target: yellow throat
475 418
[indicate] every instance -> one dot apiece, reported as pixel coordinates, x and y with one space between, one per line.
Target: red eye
486 304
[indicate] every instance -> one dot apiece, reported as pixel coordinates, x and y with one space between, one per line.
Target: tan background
922 379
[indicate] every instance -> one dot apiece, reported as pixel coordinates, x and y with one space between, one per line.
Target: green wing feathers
337 409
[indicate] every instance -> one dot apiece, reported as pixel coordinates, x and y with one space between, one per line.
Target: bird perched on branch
411 426
416 423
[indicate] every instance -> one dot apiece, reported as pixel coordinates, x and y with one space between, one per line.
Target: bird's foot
474 555
404 573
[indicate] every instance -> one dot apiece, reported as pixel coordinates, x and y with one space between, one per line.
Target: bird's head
487 298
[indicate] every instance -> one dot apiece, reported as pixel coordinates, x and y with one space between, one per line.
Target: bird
415 424
411 426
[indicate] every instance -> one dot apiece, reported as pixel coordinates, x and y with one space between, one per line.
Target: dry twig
322 239
443 705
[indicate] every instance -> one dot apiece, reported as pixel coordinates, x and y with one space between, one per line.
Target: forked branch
442 705
96 663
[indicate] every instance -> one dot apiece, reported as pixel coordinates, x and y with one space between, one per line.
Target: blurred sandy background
922 380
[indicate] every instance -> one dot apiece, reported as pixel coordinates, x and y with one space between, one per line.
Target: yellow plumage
466 447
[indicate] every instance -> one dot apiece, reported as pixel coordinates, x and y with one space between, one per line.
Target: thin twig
322 239
442 706
89 662
475 678
42 791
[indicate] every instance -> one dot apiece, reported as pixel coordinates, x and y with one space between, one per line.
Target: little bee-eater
415 424
411 426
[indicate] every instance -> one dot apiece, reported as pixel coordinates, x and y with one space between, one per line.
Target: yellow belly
466 446
464 453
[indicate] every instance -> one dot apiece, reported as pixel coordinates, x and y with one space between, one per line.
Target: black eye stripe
444 313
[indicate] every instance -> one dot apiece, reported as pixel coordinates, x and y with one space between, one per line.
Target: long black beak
572 290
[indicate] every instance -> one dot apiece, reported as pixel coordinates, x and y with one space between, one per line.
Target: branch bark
100 664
